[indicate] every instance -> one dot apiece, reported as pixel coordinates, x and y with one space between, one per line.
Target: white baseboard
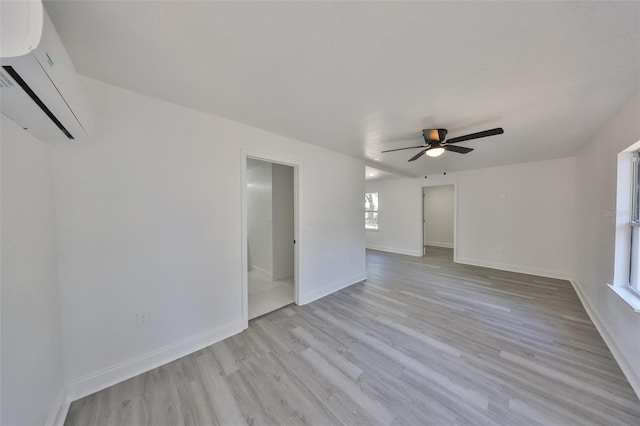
609 338
266 274
321 292
438 244
127 369
514 268
417 253
282 274
59 409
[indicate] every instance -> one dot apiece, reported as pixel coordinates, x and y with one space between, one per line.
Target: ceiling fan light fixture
435 152
435 143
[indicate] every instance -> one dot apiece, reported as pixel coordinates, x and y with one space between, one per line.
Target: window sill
371 229
628 295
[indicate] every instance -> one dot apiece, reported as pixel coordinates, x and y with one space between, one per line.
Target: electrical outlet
143 319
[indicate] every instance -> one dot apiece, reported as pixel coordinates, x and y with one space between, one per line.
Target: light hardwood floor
422 341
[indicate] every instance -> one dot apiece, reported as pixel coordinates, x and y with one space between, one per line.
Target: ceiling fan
436 144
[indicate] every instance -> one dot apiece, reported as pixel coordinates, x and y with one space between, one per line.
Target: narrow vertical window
634 262
371 210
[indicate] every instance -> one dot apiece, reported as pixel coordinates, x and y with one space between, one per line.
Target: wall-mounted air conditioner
39 88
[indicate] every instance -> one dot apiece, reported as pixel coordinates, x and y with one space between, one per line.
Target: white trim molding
438 244
521 269
417 253
132 367
268 275
318 293
609 339
279 275
59 409
629 296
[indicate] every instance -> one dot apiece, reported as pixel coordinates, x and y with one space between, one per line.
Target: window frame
634 224
376 211
627 219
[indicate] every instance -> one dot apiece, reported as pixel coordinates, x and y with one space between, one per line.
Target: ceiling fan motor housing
434 135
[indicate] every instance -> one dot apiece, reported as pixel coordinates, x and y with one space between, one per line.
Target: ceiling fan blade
400 149
484 134
458 149
418 155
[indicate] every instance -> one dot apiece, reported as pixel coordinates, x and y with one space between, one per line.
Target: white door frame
455 215
297 217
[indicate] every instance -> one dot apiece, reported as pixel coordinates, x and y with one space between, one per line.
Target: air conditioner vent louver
5 81
35 98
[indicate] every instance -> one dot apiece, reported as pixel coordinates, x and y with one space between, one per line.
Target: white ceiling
362 77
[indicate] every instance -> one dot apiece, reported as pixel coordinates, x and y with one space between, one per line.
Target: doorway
438 214
270 236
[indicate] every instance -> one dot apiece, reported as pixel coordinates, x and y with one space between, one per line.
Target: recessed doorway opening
438 221
269 229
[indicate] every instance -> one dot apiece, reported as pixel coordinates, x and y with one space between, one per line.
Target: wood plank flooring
422 341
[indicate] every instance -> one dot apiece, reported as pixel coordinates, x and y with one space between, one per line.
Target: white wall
517 217
32 375
399 216
438 215
595 231
260 217
149 219
283 221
